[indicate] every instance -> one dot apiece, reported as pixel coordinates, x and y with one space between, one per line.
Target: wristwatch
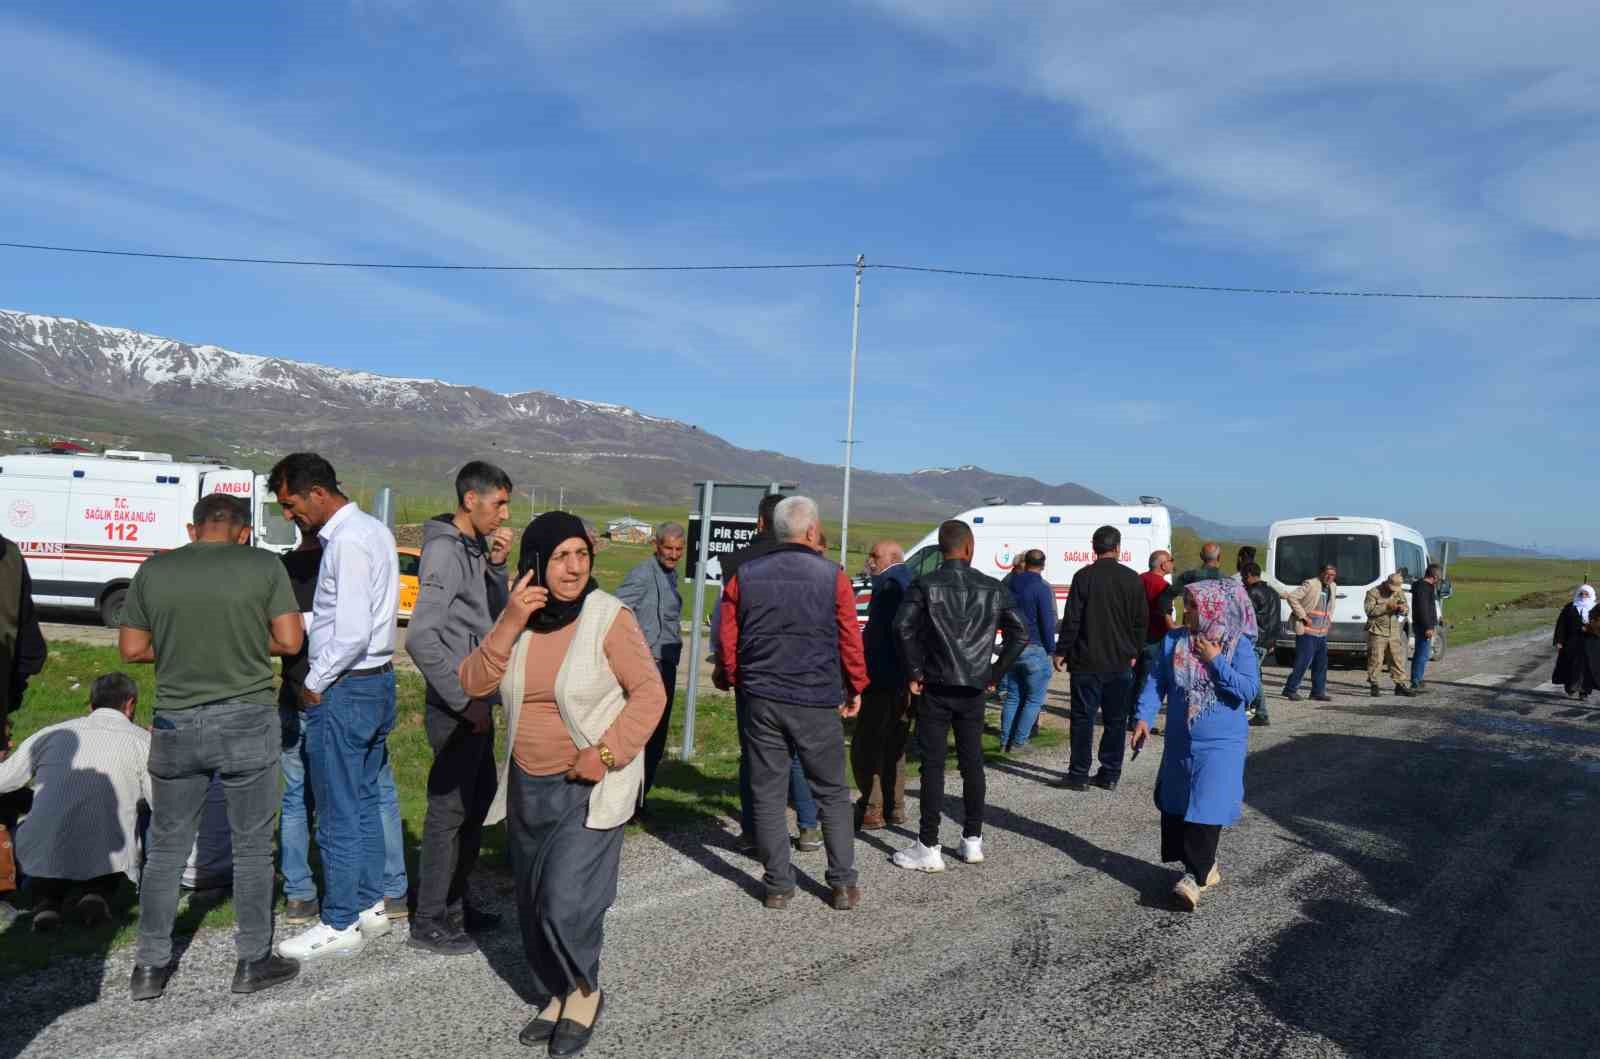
606 756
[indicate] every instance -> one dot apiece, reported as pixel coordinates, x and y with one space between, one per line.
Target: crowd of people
584 680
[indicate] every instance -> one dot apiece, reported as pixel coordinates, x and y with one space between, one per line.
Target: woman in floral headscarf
1207 675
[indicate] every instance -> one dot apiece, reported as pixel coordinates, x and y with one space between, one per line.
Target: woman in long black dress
1590 677
1570 661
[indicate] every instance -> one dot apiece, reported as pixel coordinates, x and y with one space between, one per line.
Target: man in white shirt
91 779
348 698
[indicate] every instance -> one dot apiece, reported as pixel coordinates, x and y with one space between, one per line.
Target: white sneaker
322 940
971 850
920 858
375 922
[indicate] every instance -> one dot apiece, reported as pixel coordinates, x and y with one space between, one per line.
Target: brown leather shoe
872 820
900 819
846 897
777 899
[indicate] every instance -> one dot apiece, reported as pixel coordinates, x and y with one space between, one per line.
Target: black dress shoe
537 1031
149 982
1076 783
270 970
1292 696
1260 720
1321 698
1104 782
570 1037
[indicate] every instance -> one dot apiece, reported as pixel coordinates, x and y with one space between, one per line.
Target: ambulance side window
925 561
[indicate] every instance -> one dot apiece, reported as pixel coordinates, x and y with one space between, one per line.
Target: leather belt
387 667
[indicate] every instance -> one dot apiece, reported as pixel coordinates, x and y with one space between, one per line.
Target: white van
86 523
1365 550
1003 532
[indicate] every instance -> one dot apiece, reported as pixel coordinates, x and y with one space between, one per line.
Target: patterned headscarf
1226 616
1583 600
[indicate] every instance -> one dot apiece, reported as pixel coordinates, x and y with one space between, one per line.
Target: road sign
729 533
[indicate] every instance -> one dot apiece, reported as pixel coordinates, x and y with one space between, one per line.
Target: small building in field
629 530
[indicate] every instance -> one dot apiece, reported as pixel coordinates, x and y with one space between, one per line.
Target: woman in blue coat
1208 674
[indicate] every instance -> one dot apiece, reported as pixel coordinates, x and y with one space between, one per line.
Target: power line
414 266
1217 289
1204 288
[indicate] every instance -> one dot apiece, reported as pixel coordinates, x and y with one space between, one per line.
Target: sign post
725 523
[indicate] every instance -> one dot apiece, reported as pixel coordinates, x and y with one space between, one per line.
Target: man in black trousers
1102 632
946 630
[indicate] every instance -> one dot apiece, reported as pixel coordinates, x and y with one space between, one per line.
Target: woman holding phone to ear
1207 674
582 696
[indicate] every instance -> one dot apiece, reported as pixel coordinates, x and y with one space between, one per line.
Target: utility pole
850 419
562 504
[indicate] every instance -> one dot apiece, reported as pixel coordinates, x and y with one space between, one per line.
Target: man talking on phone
462 592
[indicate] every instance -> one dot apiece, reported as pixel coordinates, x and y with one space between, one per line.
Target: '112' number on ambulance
122 531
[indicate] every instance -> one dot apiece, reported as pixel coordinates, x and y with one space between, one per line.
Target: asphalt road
1411 877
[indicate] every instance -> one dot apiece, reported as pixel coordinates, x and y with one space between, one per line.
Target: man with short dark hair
878 747
1246 556
349 701
1158 594
946 630
91 780
1102 634
650 590
1424 623
211 615
1264 601
1028 680
1312 607
790 642
462 590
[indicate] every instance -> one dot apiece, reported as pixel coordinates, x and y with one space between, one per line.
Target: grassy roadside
689 795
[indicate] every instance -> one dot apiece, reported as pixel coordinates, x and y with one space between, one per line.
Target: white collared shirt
358 592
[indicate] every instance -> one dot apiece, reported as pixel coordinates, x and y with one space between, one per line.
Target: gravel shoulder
1411 877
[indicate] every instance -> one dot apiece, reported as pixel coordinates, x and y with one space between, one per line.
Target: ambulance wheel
1439 643
111 607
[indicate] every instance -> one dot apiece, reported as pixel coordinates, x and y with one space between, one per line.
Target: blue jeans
294 826
346 738
1419 658
805 806
1309 651
1107 696
1028 680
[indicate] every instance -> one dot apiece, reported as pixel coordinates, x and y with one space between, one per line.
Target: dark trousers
656 748
779 731
878 749
1149 658
461 786
1309 651
54 891
1104 696
805 805
1194 844
943 709
1260 702
240 742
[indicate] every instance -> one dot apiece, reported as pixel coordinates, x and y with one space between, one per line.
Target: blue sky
1427 146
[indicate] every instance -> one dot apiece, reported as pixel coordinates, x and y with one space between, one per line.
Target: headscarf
1226 616
1583 601
539 542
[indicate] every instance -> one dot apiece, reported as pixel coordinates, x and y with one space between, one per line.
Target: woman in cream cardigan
582 696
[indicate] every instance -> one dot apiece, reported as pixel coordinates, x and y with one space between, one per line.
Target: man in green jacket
1385 607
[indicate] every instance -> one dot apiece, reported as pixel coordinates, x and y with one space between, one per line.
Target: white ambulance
1004 531
85 523
1366 551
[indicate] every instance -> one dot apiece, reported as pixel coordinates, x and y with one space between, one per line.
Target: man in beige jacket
1312 606
1385 607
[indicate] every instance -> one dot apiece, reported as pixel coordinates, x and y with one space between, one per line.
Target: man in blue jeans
1312 607
294 825
1102 633
1424 622
210 615
348 700
1029 677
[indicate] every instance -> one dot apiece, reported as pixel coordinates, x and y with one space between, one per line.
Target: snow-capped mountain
114 387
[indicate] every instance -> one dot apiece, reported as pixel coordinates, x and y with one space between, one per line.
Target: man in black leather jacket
1269 620
946 630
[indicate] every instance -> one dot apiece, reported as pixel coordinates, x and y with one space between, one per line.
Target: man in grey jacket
651 591
461 593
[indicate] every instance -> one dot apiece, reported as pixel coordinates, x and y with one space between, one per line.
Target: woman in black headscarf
582 697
